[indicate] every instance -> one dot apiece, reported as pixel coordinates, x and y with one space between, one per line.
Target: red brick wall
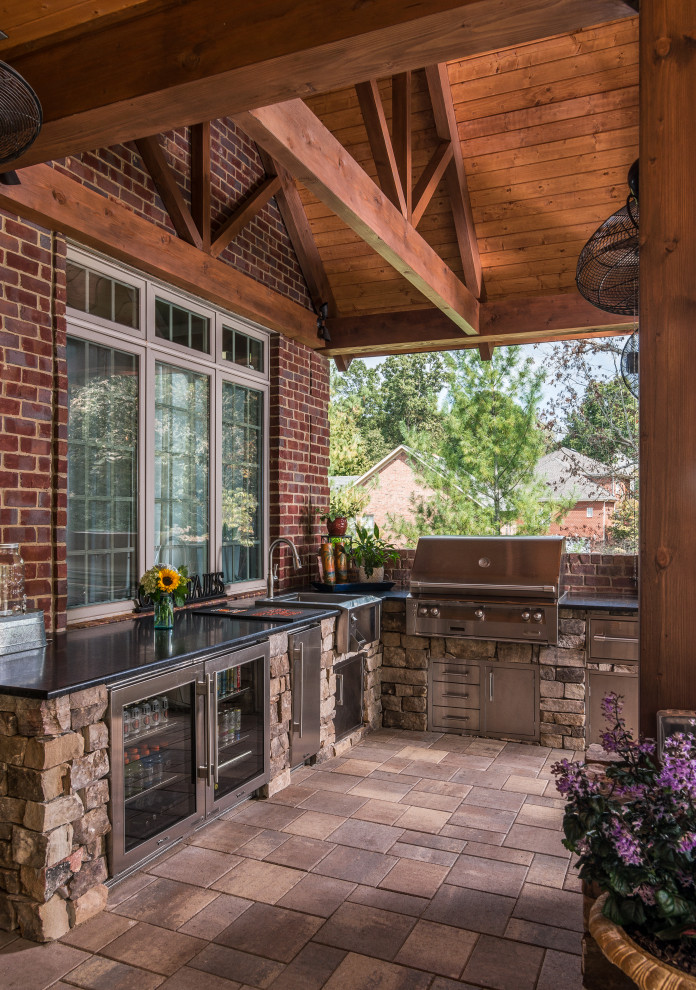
299 443
396 483
576 523
262 249
33 384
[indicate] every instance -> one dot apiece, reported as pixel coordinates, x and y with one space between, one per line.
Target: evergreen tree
484 478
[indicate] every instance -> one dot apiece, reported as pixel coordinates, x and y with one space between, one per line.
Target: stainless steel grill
494 587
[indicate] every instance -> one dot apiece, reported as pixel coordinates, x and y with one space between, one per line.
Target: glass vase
164 612
12 596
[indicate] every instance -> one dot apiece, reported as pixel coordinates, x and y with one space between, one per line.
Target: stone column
53 811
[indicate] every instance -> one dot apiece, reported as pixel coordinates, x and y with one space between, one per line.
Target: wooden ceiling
414 240
548 131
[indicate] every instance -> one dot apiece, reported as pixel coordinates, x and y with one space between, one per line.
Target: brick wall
396 484
33 383
299 442
577 524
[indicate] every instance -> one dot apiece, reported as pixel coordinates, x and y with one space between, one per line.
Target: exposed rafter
446 126
47 197
486 350
165 182
294 136
381 143
430 180
401 128
252 205
342 362
200 180
512 321
203 64
300 234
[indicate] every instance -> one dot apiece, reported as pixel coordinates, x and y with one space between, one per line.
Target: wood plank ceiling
548 131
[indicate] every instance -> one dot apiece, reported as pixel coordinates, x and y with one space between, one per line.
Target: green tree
605 424
484 477
373 409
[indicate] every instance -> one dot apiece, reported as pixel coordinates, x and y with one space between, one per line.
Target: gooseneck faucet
295 559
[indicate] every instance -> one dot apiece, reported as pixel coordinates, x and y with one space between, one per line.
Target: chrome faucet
295 559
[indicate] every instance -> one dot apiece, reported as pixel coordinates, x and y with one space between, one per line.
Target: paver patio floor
418 862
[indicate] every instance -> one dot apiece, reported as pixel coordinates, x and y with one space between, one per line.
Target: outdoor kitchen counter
112 651
609 604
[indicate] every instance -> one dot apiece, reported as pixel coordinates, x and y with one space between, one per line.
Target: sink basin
359 620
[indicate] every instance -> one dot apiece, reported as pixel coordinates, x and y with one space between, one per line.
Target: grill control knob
538 616
526 615
435 612
422 610
479 614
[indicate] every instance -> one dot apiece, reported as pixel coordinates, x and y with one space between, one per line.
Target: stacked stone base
562 672
53 812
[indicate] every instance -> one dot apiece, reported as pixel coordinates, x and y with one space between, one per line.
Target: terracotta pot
337 526
646 971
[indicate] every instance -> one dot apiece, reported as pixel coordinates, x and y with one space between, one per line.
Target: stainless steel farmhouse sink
359 620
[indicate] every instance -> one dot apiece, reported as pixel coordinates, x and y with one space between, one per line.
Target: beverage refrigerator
185 745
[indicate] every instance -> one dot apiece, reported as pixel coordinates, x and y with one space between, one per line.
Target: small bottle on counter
328 562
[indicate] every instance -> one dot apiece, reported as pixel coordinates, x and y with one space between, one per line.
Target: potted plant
633 826
344 503
370 553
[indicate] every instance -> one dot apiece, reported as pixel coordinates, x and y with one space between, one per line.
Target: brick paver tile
153 948
263 844
171 903
310 969
259 881
314 824
216 916
488 874
412 877
436 949
423 820
371 931
504 965
223 961
317 895
356 865
270 931
98 973
366 835
549 871
28 966
224 836
195 865
560 970
476 910
549 906
360 971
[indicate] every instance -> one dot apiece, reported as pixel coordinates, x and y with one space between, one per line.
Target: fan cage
20 114
607 272
630 364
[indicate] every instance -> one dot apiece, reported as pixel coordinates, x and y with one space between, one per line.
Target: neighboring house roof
570 474
343 480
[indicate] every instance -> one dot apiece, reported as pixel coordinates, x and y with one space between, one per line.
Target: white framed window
167 439
590 512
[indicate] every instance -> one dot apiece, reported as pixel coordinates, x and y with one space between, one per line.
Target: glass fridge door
154 776
238 728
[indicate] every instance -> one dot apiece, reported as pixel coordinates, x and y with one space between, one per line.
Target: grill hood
501 566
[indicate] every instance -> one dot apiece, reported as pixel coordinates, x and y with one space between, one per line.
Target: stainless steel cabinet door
510 700
305 665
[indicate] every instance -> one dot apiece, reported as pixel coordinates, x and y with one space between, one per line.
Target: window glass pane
242 349
242 462
100 295
181 468
181 326
102 473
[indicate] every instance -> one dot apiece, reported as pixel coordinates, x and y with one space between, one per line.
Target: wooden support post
167 187
486 351
667 359
342 362
380 142
401 129
200 180
252 205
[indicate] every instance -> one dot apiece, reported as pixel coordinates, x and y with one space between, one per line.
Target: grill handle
601 638
422 586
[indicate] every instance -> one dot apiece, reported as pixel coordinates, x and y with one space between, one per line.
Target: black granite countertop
602 602
114 651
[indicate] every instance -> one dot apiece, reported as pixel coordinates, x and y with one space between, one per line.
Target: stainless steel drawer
451 672
613 639
464 718
455 695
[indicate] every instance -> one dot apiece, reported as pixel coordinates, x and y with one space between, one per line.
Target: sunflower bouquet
159 581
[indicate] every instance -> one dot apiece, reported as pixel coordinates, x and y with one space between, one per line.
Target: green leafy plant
368 551
633 826
346 503
162 580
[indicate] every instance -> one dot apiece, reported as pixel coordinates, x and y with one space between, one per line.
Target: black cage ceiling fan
608 268
20 118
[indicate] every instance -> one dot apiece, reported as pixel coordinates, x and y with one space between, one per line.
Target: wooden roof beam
300 234
430 180
446 127
166 185
244 214
47 197
380 142
200 180
295 137
203 64
522 320
403 140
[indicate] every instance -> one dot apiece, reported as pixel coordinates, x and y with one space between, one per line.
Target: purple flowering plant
633 826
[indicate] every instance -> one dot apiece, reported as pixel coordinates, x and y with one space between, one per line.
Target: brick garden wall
33 383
